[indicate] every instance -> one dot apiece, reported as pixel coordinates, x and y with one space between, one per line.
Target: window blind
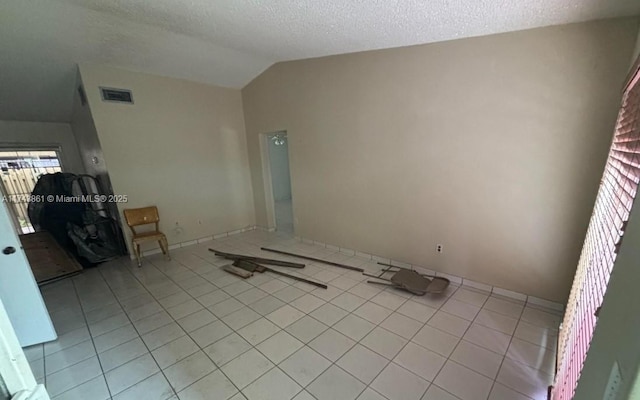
617 191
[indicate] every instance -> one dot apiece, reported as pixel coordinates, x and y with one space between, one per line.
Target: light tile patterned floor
184 329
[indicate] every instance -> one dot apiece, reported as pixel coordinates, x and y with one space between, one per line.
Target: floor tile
305 365
189 370
388 300
273 286
417 311
523 379
460 309
541 318
154 387
534 356
279 346
473 297
396 383
288 294
362 363
274 385
196 320
490 339
241 318
348 301
365 290
436 340
436 393
463 382
307 303
175 299
237 288
538 335
131 373
106 311
354 327
370 394
67 340
383 342
258 331
422 362
449 323
108 324
496 321
175 351
511 309
304 395
401 325
122 354
95 389
329 314
115 338
477 358
213 298
73 376
69 356
184 309
251 296
331 344
266 305
152 322
327 294
225 307
162 336
226 349
373 312
211 333
501 392
213 386
306 329
285 316
144 311
335 383
246 368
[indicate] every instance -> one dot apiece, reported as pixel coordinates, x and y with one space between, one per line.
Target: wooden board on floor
48 260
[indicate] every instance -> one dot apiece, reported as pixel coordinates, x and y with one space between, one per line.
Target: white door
18 289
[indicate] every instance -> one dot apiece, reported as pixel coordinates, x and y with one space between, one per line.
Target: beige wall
180 146
43 134
492 146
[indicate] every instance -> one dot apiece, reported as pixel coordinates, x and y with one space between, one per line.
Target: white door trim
14 367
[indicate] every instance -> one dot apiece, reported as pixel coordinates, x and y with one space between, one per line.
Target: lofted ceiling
230 42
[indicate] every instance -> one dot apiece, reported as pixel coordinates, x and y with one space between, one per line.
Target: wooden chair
144 216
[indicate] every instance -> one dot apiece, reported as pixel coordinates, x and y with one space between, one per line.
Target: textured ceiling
229 42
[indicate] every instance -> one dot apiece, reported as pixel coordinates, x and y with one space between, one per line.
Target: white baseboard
535 301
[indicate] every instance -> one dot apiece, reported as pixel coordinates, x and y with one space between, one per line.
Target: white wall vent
116 95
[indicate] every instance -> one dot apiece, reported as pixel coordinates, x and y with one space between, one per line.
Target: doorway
280 180
20 170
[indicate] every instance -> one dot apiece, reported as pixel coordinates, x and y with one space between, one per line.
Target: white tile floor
184 329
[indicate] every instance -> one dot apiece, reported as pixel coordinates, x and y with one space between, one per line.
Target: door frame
267 179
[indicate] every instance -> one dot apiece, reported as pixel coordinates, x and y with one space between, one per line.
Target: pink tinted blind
617 191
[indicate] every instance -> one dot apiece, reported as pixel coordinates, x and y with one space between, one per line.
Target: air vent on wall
116 95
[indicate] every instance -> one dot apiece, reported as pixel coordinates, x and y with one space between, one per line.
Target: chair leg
136 250
164 245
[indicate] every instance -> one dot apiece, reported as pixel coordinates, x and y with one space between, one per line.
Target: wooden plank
48 260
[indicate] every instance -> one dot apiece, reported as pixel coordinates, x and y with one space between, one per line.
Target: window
617 191
20 170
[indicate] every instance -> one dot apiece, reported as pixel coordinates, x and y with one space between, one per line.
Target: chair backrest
141 216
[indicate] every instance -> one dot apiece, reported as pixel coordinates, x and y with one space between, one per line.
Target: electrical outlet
439 248
178 229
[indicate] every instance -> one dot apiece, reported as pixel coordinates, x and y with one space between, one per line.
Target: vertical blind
610 214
